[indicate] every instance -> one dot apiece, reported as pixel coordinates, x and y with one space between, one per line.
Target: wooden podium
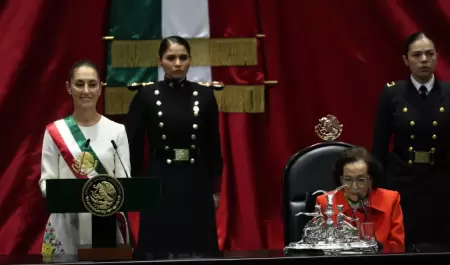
74 196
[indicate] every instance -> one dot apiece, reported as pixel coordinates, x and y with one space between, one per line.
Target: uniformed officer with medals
416 113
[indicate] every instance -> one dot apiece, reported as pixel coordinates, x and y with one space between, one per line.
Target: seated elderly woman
362 198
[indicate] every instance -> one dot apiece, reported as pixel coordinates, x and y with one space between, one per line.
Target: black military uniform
180 119
419 164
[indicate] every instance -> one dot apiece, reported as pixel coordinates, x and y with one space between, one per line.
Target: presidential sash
81 159
70 141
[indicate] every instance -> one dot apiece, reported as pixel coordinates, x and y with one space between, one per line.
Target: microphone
86 145
363 205
120 159
125 218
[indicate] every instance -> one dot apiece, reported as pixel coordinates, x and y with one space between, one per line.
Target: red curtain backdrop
238 133
328 56
40 40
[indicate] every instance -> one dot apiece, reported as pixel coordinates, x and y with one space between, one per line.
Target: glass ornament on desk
323 233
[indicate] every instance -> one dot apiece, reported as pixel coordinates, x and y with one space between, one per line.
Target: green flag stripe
81 141
120 77
133 20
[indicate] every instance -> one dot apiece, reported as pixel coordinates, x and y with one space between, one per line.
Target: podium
135 194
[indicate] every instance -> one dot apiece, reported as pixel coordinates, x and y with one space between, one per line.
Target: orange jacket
384 211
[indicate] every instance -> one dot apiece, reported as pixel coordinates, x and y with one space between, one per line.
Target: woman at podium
362 198
416 113
79 146
180 120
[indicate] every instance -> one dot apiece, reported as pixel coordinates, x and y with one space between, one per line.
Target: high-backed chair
307 171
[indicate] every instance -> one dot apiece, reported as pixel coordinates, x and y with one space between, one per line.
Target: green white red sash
71 142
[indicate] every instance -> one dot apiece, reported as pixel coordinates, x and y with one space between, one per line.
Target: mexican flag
137 27
223 49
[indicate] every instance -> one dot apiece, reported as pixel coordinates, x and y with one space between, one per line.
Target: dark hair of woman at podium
78 146
84 73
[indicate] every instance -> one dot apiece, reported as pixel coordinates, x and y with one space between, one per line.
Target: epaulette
390 84
214 85
135 86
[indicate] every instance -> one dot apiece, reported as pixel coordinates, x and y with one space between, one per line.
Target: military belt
181 155
174 154
423 157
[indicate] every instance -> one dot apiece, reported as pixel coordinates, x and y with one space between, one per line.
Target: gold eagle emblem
329 128
103 195
84 161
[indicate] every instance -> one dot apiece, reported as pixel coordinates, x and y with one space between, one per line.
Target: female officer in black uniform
180 119
416 112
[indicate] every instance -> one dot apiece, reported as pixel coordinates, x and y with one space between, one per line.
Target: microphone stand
125 218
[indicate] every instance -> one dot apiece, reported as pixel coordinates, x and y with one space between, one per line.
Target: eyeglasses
360 182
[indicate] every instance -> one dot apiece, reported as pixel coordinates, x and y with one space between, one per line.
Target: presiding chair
307 171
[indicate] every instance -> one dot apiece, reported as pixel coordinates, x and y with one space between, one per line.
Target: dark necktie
423 92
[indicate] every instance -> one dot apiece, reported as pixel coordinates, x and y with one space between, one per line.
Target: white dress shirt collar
429 85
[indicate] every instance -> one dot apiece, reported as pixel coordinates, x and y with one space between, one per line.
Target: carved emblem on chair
329 128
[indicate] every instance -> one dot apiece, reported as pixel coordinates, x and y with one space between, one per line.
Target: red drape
238 132
328 56
40 40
